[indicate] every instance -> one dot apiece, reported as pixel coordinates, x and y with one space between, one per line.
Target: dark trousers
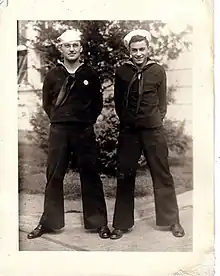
153 144
64 139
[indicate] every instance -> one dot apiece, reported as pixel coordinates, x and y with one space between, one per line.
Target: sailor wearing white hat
139 32
69 35
70 47
72 99
141 105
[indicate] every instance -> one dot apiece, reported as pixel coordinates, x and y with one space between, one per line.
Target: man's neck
140 66
71 66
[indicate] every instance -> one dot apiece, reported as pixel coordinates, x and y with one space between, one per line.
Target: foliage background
104 50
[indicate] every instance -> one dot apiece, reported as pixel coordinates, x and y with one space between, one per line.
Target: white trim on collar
70 72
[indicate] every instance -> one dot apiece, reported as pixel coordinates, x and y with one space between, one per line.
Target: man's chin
72 59
139 62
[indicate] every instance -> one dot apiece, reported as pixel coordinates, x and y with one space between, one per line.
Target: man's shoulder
88 69
53 70
122 69
157 67
51 75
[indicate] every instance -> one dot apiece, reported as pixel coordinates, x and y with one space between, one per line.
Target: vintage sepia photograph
105 135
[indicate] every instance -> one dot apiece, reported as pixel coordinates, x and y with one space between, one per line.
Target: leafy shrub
103 48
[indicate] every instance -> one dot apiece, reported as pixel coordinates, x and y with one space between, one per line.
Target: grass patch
32 169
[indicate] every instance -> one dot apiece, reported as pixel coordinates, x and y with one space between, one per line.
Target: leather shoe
38 231
177 230
116 234
104 232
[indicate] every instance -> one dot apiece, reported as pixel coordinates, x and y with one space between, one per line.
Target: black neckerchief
68 84
137 75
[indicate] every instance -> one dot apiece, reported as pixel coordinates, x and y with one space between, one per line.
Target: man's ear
59 48
81 49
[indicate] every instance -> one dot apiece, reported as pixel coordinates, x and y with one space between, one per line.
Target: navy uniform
72 101
141 105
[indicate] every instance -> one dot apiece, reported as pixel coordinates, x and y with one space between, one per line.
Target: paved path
145 236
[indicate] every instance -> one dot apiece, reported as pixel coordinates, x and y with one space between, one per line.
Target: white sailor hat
68 36
140 32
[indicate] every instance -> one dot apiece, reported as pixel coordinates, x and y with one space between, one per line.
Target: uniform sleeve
162 95
118 95
97 102
47 95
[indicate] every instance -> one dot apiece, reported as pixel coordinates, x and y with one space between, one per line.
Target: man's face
71 50
139 52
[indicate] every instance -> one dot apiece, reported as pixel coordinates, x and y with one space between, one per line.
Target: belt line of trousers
152 142
62 140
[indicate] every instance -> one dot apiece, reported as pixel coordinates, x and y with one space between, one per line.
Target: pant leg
93 200
129 152
58 159
156 153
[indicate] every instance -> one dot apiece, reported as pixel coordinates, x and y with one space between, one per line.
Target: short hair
137 38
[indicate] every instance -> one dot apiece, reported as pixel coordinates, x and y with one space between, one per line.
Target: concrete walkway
145 236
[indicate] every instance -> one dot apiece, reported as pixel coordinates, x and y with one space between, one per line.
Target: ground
145 236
